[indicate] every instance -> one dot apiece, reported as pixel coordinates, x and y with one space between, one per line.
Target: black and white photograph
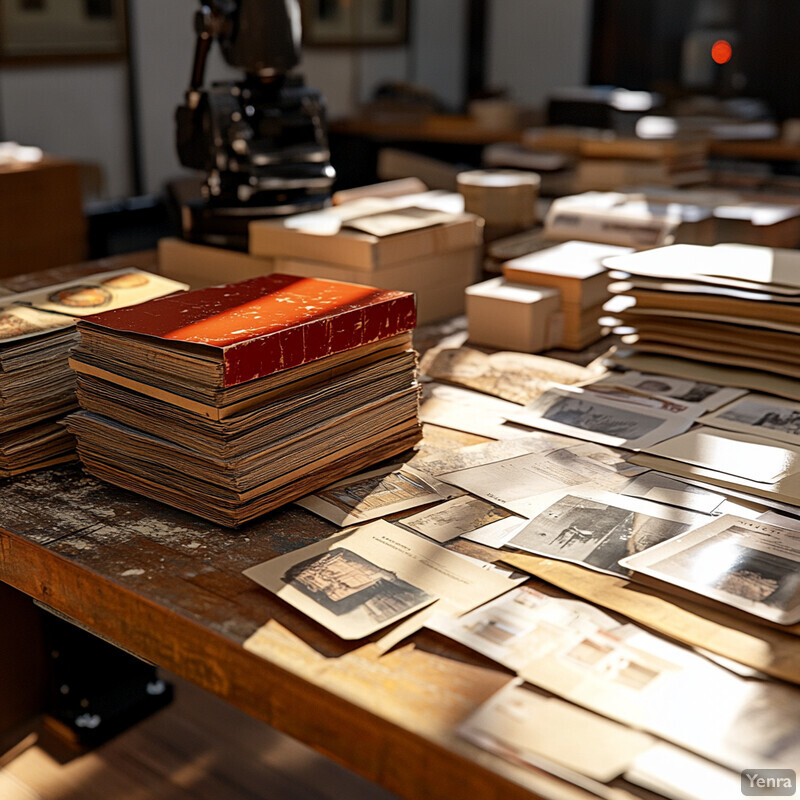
761 415
630 421
599 531
709 395
746 564
375 494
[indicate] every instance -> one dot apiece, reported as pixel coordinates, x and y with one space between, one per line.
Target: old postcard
523 724
103 291
747 564
598 529
662 489
360 581
572 649
21 322
708 395
630 421
517 483
374 494
759 415
454 518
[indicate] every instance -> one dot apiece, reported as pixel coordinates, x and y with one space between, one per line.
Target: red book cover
267 324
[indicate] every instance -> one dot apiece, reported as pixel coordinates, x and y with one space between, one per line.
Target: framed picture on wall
351 23
53 30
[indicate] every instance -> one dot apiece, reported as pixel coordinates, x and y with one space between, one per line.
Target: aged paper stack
232 400
732 305
37 387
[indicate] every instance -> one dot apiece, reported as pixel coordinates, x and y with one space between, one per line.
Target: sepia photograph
362 580
454 518
342 581
376 493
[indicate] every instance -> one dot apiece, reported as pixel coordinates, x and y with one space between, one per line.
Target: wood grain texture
168 587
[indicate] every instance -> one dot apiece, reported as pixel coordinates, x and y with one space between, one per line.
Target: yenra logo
769 782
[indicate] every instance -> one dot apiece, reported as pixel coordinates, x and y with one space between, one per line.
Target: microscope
262 141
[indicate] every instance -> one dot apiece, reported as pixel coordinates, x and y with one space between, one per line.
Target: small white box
514 316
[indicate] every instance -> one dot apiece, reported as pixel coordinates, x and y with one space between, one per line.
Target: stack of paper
734 305
37 387
575 269
232 400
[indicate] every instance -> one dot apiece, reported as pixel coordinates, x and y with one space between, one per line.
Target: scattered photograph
374 494
661 488
103 291
455 518
709 395
362 580
81 297
603 654
599 531
341 581
747 564
128 280
761 415
630 421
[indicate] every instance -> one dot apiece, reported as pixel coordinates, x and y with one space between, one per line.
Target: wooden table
168 587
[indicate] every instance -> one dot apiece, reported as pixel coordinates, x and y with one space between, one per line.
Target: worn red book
263 325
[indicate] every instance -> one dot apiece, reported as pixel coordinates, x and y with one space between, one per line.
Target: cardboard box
201 265
513 316
357 249
437 280
505 198
41 216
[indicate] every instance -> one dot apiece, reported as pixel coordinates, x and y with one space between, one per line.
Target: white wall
77 112
80 112
536 46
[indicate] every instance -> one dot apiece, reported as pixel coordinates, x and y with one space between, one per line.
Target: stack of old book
735 305
608 163
37 387
232 400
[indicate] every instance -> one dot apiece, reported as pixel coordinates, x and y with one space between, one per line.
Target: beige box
505 198
438 281
201 265
365 251
513 316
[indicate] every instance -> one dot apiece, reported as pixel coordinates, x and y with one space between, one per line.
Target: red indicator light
721 51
